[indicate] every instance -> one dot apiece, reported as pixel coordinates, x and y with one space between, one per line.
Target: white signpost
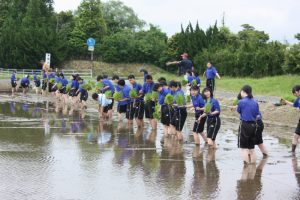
48 59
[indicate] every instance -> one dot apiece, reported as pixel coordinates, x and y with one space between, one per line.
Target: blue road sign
91 42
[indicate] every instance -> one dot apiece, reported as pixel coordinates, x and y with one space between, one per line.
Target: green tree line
30 28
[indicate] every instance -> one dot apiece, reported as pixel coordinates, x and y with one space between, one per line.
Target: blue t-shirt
13 78
25 81
215 106
191 78
74 84
81 90
57 79
211 72
51 75
297 102
162 95
148 88
44 75
64 82
248 109
198 101
125 92
108 83
138 87
198 80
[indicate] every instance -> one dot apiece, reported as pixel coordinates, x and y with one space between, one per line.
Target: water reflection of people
205 184
297 176
250 185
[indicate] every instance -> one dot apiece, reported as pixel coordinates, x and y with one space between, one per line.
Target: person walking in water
211 73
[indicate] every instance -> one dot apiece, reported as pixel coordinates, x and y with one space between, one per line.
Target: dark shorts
130 112
199 126
122 108
213 127
72 93
259 131
210 83
297 131
179 118
149 109
246 139
63 90
37 83
13 84
167 113
109 107
44 85
139 110
24 85
84 96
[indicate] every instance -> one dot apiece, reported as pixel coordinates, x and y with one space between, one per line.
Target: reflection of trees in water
205 184
250 185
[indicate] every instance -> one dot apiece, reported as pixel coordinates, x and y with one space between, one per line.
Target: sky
278 18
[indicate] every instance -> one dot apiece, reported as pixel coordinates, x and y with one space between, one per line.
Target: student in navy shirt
25 84
296 104
83 93
122 104
198 104
145 73
166 110
136 107
211 72
74 86
180 112
107 86
197 78
213 116
37 83
51 75
13 82
249 111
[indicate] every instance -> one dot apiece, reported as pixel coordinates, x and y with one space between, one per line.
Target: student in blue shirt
197 78
150 105
249 111
74 86
166 110
51 75
198 104
13 82
83 93
210 73
180 112
122 104
107 86
213 116
37 83
145 73
296 104
25 84
102 103
137 106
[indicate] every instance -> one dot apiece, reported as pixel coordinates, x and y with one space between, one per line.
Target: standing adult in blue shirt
166 110
13 81
198 104
137 106
25 84
150 105
212 111
296 104
210 73
184 65
122 104
249 111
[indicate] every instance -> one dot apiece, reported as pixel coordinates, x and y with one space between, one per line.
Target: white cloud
278 18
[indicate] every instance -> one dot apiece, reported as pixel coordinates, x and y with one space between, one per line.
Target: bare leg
252 155
263 149
203 135
196 138
295 142
179 135
153 123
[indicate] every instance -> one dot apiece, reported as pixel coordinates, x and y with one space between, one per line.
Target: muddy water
46 155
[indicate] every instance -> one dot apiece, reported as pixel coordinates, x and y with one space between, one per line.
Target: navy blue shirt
248 109
198 80
211 72
198 101
162 94
13 78
185 65
64 82
25 81
108 83
74 84
138 87
297 102
51 75
148 88
215 106
125 92
191 78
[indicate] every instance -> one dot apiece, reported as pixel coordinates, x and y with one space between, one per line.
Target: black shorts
297 131
167 113
210 83
139 110
130 112
213 127
23 85
63 90
259 131
44 85
72 93
246 139
84 96
199 126
149 109
109 107
179 118
37 83
122 108
13 84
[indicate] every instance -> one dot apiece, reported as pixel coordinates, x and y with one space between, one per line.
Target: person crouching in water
73 92
102 103
198 104
212 112
248 110
25 84
83 94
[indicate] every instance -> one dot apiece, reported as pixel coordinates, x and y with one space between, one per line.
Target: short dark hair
210 62
95 96
121 82
239 96
105 76
207 89
189 72
248 90
156 86
173 84
144 71
162 79
196 73
99 78
195 88
131 76
295 89
115 77
149 77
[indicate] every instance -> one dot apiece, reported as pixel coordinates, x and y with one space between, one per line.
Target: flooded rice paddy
47 155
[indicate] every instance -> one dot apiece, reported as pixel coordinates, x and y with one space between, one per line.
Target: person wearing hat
184 65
